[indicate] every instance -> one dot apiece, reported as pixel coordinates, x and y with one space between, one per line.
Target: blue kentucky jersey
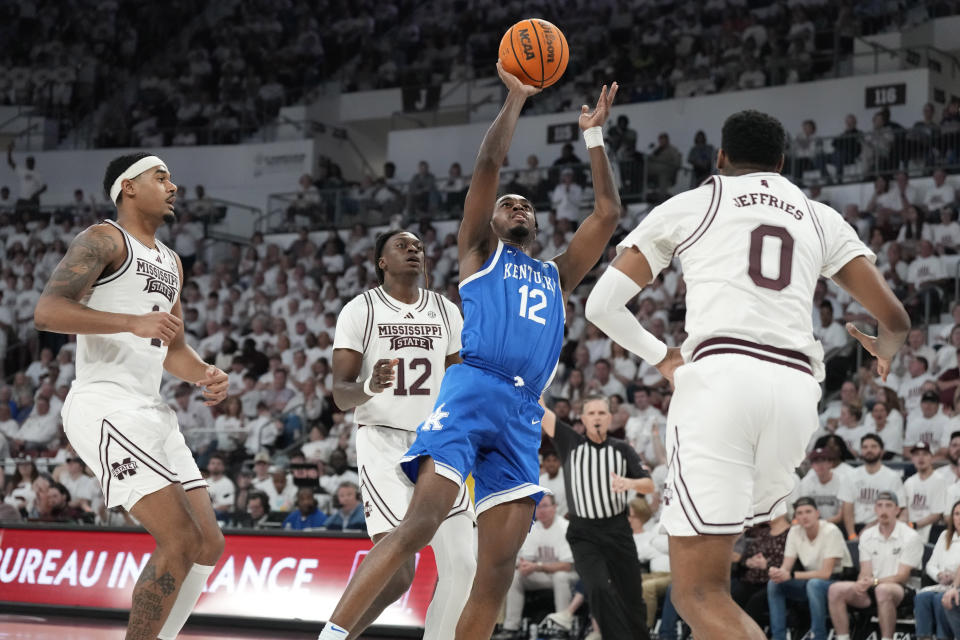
513 313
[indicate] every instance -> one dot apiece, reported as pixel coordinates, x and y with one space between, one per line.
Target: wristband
593 137
366 387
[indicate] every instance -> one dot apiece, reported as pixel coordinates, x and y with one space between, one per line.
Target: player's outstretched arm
474 238
864 282
186 364
607 308
590 240
59 309
348 392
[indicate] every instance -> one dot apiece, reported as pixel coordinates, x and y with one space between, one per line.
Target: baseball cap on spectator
805 501
888 495
820 455
920 446
930 396
262 456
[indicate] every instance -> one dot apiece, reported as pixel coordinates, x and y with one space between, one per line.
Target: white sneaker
593 635
561 619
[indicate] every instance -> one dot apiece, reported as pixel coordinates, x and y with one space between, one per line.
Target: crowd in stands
232 68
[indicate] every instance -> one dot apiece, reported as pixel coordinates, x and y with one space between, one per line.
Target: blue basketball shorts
485 424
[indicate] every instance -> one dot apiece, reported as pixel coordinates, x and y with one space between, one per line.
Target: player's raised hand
156 325
601 112
870 344
513 83
384 371
214 385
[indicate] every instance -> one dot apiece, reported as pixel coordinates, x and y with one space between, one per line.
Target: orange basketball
535 51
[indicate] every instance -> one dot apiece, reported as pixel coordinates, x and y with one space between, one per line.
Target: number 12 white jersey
419 335
752 248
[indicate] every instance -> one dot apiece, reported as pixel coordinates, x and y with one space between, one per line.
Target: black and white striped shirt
586 472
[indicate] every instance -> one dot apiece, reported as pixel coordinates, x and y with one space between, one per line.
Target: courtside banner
286 577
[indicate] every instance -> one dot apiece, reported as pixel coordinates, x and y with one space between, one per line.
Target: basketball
535 51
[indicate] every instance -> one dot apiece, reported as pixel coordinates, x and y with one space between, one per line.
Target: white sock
333 632
456 563
186 600
842 636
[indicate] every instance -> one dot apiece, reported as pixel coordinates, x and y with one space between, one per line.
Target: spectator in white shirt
889 552
946 235
926 492
889 426
341 474
219 486
911 387
566 196
951 471
84 491
941 195
544 562
229 426
281 493
652 548
926 269
927 427
833 336
603 383
262 431
820 547
552 479
866 483
850 426
38 430
823 483
942 567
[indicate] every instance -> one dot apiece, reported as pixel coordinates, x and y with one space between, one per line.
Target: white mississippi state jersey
419 335
122 366
751 249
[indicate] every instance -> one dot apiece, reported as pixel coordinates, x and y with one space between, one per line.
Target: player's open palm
513 83
156 325
870 344
601 112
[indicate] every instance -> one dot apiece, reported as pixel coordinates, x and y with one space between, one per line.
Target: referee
597 473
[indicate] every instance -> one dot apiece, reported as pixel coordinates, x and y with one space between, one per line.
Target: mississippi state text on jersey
751 248
123 365
419 335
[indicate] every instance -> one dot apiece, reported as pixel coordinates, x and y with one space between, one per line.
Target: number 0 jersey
752 248
419 335
514 312
123 366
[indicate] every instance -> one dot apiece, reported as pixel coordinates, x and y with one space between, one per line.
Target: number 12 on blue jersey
529 310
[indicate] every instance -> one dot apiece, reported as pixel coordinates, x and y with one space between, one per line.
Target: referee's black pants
605 556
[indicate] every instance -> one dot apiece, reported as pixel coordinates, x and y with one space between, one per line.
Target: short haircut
553 500
381 242
602 361
923 361
596 397
754 139
117 166
855 410
262 497
216 456
62 489
349 485
872 436
955 434
550 454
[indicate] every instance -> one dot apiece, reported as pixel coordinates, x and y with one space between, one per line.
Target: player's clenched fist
156 325
383 374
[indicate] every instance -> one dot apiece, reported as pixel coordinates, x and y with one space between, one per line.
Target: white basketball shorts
133 452
737 428
386 490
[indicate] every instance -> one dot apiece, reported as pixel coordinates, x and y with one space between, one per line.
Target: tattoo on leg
151 603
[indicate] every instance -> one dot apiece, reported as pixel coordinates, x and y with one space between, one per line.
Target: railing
231 221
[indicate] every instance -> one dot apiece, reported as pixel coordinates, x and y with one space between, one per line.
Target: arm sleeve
456 326
841 240
351 325
669 225
565 439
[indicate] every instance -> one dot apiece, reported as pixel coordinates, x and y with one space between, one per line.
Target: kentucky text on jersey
530 274
158 280
751 199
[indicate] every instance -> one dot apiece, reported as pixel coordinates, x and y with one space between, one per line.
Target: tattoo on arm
89 254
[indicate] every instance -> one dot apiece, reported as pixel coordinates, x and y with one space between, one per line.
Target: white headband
132 172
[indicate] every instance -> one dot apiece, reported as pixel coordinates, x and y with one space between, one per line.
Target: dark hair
926 363
872 436
550 453
841 444
262 497
216 456
951 530
381 242
117 166
754 139
855 410
62 489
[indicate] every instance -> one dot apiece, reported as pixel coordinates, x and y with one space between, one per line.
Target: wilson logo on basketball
126 468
